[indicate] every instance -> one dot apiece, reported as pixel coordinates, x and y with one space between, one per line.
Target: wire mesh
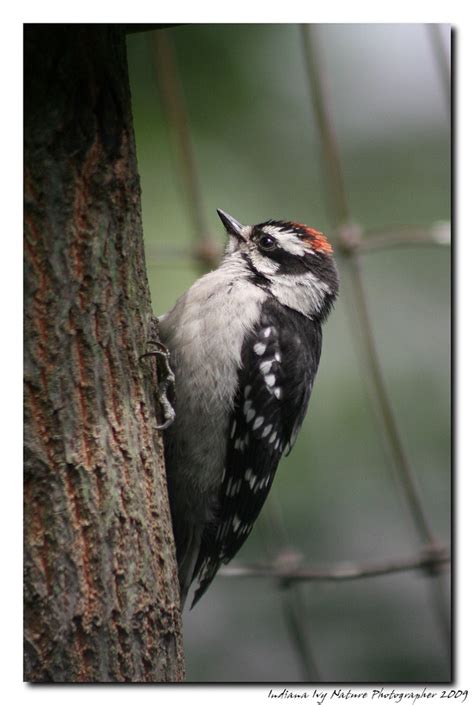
285 566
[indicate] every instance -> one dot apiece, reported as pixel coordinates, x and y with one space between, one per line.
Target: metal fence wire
352 242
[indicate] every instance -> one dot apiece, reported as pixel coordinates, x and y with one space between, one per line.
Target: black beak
232 226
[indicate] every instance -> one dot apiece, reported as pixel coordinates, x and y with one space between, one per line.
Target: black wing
279 361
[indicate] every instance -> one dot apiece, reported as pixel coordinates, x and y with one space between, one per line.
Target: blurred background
224 118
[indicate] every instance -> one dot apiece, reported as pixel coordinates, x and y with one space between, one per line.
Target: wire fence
287 567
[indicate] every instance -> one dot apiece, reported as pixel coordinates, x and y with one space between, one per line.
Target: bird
244 345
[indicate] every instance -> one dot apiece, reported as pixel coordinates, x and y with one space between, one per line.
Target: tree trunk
101 592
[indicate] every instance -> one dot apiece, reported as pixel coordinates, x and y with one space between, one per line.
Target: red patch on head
316 239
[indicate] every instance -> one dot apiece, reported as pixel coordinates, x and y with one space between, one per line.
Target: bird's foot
166 380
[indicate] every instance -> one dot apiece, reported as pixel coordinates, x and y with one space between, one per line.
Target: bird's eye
266 242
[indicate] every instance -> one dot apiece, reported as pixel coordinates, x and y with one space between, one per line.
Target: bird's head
294 262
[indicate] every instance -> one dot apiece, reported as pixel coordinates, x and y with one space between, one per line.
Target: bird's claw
166 380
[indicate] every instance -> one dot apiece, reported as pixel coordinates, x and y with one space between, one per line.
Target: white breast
204 333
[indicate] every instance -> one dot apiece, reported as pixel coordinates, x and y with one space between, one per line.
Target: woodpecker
244 344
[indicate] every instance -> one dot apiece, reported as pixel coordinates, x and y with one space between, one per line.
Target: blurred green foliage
259 156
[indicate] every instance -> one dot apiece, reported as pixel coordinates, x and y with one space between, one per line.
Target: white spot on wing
258 422
236 487
250 414
265 366
266 430
269 380
247 390
239 444
267 332
259 348
277 392
272 437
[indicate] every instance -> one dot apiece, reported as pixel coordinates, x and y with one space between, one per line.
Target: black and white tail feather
245 344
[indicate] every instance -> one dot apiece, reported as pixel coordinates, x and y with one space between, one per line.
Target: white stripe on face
302 292
288 241
262 263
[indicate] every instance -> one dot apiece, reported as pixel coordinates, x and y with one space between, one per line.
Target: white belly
204 333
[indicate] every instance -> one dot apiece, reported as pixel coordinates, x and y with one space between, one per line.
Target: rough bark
101 593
